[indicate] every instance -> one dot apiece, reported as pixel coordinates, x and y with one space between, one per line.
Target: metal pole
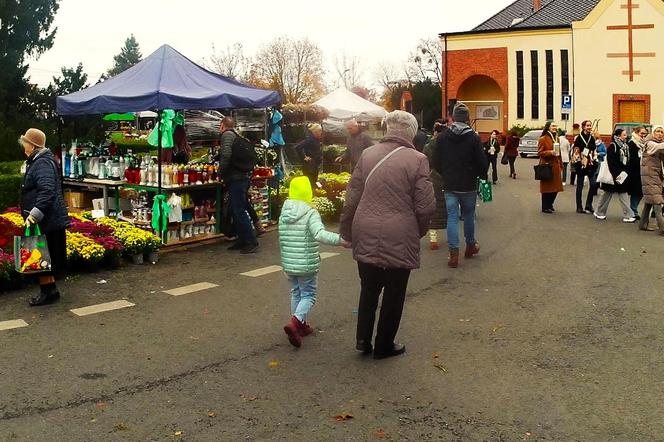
159 149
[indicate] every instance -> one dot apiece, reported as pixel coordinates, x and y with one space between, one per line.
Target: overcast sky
92 32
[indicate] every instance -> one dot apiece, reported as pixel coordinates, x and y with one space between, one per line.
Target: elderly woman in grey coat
42 203
389 204
652 179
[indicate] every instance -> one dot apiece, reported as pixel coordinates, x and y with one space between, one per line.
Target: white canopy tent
342 105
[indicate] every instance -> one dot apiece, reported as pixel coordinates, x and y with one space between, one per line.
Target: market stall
181 202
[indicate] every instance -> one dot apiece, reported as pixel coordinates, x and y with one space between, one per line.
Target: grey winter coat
651 172
386 216
41 192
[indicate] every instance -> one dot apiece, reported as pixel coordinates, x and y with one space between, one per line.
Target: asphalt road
553 332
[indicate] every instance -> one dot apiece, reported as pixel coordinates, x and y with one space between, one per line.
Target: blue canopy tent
166 79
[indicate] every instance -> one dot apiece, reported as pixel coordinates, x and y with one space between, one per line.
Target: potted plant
153 244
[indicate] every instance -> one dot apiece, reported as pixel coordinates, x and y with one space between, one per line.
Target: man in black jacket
238 185
459 158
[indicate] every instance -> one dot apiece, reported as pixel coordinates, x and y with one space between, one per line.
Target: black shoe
44 298
638 218
248 250
580 211
552 209
365 347
588 211
549 211
238 245
396 350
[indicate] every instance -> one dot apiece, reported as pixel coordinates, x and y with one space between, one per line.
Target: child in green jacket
300 231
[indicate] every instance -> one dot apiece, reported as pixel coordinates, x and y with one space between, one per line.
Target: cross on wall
630 27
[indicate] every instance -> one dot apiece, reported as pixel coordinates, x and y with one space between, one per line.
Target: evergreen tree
129 55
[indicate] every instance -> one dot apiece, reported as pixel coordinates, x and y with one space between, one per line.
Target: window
564 68
549 85
534 74
520 114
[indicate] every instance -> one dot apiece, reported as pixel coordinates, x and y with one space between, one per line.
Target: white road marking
274 269
100 308
9 325
187 289
261 272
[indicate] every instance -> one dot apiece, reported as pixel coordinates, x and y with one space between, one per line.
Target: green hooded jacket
300 231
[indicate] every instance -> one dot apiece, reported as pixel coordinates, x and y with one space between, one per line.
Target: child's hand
345 244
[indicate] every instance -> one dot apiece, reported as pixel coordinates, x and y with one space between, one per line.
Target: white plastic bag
604 176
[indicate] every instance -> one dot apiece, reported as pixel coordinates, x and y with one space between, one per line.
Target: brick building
516 67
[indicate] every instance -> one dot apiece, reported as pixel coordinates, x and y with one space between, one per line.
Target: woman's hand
30 221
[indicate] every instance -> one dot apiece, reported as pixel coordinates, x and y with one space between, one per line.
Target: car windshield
533 134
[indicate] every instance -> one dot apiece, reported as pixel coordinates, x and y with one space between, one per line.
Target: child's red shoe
305 329
292 329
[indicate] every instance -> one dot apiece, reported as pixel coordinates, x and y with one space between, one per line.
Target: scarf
640 143
623 150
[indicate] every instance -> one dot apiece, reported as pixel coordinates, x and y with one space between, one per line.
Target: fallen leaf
273 364
464 320
102 281
101 405
440 367
435 355
50 356
179 433
212 414
343 417
496 327
380 434
121 426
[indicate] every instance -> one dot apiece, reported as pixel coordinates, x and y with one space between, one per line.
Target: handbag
31 255
485 191
543 172
604 175
503 160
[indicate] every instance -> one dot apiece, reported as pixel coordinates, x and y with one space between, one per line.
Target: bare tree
387 75
349 70
293 67
425 62
230 62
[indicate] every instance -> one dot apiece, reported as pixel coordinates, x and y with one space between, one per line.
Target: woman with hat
42 203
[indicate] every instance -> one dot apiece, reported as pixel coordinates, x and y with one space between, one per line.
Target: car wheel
524 155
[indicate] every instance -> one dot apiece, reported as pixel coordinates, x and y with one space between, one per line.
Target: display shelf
169 188
194 240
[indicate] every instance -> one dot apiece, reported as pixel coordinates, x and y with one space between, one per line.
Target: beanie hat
461 113
300 189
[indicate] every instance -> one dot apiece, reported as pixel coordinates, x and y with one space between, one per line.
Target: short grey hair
401 123
352 122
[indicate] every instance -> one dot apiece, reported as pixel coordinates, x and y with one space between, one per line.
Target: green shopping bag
485 191
31 255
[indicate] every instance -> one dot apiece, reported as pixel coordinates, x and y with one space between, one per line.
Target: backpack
244 156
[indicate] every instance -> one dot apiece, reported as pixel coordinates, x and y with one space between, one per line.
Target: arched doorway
485 99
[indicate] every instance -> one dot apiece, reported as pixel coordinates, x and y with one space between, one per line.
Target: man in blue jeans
238 184
459 158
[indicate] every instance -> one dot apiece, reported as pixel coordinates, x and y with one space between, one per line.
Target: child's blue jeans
303 294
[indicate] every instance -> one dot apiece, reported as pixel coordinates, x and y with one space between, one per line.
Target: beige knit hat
35 137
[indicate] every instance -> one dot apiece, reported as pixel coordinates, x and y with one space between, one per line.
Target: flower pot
152 257
137 259
112 261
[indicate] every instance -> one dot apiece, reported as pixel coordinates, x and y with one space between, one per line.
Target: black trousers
311 172
511 160
548 199
57 248
581 173
393 283
493 160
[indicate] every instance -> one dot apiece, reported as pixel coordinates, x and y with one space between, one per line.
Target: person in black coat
636 146
584 161
617 158
311 153
42 204
492 149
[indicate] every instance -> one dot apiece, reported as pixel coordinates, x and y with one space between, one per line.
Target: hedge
10 167
10 188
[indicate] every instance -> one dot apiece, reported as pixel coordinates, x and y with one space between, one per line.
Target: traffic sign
567 104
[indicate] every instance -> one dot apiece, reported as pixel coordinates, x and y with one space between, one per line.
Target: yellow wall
526 41
599 77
